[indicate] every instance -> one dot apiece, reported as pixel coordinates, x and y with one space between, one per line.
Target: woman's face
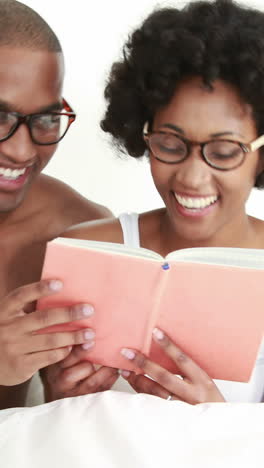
199 114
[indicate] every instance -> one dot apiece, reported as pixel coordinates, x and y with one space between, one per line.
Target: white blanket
113 429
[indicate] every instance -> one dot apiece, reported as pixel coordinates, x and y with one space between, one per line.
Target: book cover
209 301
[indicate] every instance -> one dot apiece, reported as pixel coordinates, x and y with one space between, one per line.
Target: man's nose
19 148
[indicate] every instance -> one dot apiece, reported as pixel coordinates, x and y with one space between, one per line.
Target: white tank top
253 391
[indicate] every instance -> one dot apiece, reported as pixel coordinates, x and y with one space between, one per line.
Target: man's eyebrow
213 135
7 107
4 106
56 106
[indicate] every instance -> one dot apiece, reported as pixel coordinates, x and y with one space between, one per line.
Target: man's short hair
20 26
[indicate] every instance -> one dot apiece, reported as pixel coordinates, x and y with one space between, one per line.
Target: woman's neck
157 233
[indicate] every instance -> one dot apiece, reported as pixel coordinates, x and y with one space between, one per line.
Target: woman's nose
194 172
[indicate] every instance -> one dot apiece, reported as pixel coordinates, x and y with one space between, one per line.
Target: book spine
164 271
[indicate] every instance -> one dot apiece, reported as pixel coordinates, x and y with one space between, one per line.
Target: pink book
210 301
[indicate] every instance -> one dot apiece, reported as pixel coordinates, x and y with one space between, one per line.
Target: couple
195 105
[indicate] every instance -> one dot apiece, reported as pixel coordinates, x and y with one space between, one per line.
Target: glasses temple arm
257 143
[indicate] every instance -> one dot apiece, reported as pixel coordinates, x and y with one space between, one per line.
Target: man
34 208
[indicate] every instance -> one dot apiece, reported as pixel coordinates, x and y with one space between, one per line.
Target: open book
210 301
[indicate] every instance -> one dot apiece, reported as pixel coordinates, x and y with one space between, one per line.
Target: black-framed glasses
45 128
221 154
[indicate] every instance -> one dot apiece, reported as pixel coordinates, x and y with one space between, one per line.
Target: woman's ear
260 173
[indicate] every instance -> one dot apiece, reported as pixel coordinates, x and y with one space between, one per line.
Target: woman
189 92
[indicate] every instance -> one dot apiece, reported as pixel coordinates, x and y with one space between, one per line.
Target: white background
92 34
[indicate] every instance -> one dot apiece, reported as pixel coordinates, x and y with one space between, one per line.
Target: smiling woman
206 189
195 106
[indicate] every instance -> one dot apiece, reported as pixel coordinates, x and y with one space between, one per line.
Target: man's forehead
30 80
14 52
29 61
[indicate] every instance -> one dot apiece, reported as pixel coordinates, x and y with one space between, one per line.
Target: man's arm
13 397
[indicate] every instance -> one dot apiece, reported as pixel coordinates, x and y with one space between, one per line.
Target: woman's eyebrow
219 134
213 135
173 127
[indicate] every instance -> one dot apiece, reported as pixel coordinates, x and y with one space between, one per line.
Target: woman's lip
194 213
191 195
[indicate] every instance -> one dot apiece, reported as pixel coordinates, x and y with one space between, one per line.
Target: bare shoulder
110 230
259 229
104 230
71 204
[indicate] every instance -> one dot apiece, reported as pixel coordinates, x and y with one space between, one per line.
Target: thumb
76 355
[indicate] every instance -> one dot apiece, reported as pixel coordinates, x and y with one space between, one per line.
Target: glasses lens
49 128
167 147
8 122
223 154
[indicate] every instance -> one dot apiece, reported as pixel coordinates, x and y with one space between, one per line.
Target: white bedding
113 429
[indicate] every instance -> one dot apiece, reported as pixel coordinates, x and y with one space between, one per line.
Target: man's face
30 82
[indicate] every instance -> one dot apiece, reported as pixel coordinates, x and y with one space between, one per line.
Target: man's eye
47 121
6 118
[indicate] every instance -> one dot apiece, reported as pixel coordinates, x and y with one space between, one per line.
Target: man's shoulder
64 199
103 230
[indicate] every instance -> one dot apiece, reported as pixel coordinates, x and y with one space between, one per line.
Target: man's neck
24 209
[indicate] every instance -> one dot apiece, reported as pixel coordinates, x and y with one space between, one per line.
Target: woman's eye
172 144
221 155
226 154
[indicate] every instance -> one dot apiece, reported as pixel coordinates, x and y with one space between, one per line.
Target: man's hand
23 349
76 376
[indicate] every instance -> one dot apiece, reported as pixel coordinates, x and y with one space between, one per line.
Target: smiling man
34 208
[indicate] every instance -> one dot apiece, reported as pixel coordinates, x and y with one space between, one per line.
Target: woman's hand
75 376
195 386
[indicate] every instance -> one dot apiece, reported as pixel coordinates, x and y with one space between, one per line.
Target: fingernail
88 345
124 373
89 334
128 353
158 334
87 310
55 285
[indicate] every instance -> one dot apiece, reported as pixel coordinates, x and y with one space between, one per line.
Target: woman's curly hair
218 39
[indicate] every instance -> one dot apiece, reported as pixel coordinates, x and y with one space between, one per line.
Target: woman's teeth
195 203
11 174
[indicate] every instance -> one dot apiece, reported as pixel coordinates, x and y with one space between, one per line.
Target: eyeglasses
45 128
224 155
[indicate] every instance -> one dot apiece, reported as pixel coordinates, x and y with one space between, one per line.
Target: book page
109 247
245 258
215 315
121 289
